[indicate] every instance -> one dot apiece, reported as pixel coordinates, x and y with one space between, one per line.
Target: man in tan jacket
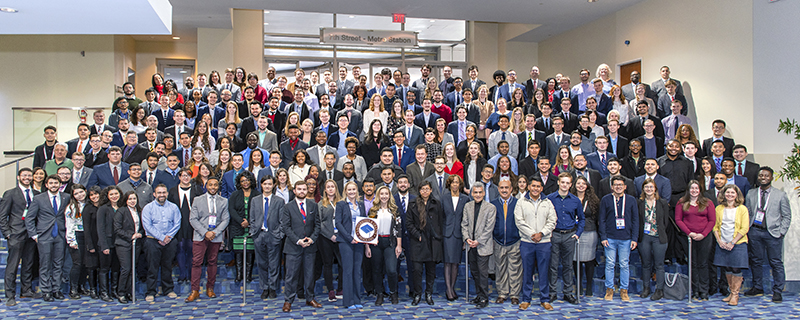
477 225
536 219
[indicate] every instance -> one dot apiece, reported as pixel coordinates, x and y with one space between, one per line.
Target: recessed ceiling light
344 27
433 20
176 38
8 10
266 11
266 23
590 1
351 17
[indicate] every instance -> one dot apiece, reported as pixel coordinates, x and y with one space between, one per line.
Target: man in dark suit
527 136
216 111
473 83
528 164
455 97
110 173
604 103
402 153
728 168
96 154
718 128
184 149
598 160
170 176
592 175
152 122
426 119
46 224
337 138
617 144
299 106
300 222
636 124
13 208
545 122
265 228
659 86
571 120
458 127
629 90
534 83
99 125
164 114
81 143
565 92
288 147
344 86
614 168
549 180
405 87
179 125
662 183
507 90
328 170
665 101
133 152
499 77
328 110
743 167
556 139
417 135
228 183
355 123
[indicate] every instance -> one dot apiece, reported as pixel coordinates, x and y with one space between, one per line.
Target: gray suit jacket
12 207
143 192
270 142
296 228
484 228
200 213
84 179
552 147
273 216
659 89
236 92
416 175
435 185
630 92
313 153
779 213
41 217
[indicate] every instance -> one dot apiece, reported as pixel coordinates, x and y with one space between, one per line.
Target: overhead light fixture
8 10
176 38
351 17
433 20
591 1
266 23
344 27
265 11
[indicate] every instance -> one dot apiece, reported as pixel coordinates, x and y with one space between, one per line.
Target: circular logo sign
366 230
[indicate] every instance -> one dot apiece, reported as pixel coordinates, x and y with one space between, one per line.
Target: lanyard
616 214
765 204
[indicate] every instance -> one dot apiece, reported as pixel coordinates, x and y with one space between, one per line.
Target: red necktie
303 211
399 155
116 175
740 169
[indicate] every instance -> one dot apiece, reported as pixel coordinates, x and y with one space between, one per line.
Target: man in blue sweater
569 227
618 228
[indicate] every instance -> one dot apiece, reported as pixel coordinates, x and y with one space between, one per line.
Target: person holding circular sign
384 254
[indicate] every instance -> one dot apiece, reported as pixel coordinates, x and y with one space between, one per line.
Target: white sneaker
149 298
172 295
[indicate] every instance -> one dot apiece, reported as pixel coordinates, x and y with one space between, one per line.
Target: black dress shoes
58 295
48 297
570 298
429 298
416 299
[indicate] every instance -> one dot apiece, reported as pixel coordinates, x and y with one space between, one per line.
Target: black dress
239 209
186 232
89 215
431 247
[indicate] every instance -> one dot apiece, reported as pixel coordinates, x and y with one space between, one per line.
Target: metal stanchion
578 264
133 270
244 268
466 276
690 269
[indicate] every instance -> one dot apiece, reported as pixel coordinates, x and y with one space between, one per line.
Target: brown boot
736 284
623 294
609 294
210 292
730 295
193 296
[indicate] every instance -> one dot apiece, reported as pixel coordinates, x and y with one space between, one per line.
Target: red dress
457 169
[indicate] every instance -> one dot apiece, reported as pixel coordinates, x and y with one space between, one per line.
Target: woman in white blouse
298 169
376 110
351 144
384 254
75 239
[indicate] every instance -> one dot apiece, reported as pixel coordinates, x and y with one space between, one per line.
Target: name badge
620 223
647 228
759 217
24 213
212 222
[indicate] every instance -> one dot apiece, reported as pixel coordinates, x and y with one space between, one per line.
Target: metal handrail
16 161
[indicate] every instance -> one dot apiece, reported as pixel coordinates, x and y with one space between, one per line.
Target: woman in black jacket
238 229
424 225
373 142
90 256
653 225
127 230
185 233
109 263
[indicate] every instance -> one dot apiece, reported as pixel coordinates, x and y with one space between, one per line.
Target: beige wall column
248 40
214 49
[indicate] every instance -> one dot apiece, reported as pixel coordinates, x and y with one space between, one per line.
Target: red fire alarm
399 17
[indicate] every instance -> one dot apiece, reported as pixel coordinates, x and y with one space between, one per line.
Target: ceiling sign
385 38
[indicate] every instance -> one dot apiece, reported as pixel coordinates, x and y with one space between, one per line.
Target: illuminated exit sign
399 17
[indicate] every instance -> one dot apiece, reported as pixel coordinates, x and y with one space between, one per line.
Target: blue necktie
303 211
54 232
403 203
28 196
440 184
266 210
504 136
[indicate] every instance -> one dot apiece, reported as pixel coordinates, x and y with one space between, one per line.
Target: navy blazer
101 175
218 114
116 140
557 96
333 139
450 99
72 145
344 220
505 94
419 121
452 128
402 210
593 160
604 105
296 227
228 183
607 224
162 122
41 217
452 216
167 179
408 156
662 183
739 181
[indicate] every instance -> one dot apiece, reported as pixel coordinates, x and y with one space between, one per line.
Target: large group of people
523 179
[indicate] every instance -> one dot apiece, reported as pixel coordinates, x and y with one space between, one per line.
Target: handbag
676 286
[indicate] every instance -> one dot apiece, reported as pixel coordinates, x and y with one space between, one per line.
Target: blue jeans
761 242
539 254
623 248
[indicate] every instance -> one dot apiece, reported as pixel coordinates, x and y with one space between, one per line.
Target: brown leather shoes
313 303
210 293
193 296
514 301
287 307
500 300
547 306
524 305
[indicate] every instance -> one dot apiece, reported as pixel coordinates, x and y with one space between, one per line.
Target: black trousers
700 250
329 250
384 263
20 249
160 257
430 276
125 255
77 275
479 267
366 273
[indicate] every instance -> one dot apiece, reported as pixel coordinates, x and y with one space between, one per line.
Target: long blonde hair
428 90
336 197
373 212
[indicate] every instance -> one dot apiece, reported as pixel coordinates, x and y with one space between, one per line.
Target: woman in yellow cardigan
731 233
